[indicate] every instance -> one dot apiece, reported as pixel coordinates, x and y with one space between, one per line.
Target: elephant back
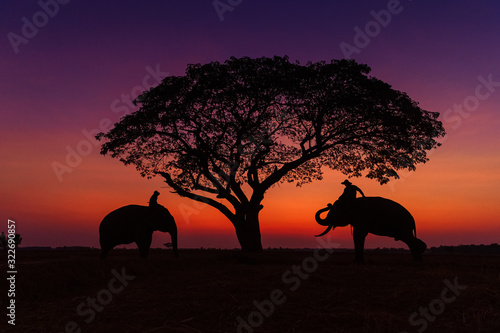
386 209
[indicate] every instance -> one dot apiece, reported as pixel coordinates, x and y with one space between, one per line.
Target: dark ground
216 290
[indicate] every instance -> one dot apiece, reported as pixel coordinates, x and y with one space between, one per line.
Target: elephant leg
416 246
173 236
419 247
104 252
144 244
359 244
106 246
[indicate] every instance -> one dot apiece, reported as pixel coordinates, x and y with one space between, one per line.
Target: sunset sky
69 70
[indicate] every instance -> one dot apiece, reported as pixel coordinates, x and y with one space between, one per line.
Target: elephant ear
153 218
159 218
341 212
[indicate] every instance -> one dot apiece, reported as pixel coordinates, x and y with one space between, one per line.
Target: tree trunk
248 231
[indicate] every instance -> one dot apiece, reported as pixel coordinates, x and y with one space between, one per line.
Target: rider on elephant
350 191
347 199
153 201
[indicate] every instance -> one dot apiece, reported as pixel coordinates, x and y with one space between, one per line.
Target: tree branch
183 193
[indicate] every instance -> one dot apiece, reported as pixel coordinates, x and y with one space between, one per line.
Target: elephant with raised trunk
375 215
134 223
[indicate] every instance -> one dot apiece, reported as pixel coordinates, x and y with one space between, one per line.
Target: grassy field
276 291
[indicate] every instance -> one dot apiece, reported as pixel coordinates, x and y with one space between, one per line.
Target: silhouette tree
224 133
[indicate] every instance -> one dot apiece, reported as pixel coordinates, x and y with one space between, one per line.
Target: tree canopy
224 133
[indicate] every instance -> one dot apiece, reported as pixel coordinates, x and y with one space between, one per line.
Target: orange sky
453 197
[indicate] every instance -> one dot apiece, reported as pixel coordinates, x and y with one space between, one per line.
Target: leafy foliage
262 121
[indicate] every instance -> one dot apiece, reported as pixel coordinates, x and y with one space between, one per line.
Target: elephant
375 215
135 223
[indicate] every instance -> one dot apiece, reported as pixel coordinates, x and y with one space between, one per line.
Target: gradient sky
72 73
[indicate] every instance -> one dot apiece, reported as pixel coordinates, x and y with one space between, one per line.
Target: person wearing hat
153 201
350 191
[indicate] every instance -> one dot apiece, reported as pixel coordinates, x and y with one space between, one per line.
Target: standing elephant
134 223
376 215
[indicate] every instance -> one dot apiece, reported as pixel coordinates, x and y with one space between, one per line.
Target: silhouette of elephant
375 215
134 223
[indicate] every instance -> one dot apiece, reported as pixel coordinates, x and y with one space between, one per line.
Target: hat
346 182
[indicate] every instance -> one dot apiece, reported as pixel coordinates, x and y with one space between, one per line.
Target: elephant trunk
318 218
330 227
325 221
